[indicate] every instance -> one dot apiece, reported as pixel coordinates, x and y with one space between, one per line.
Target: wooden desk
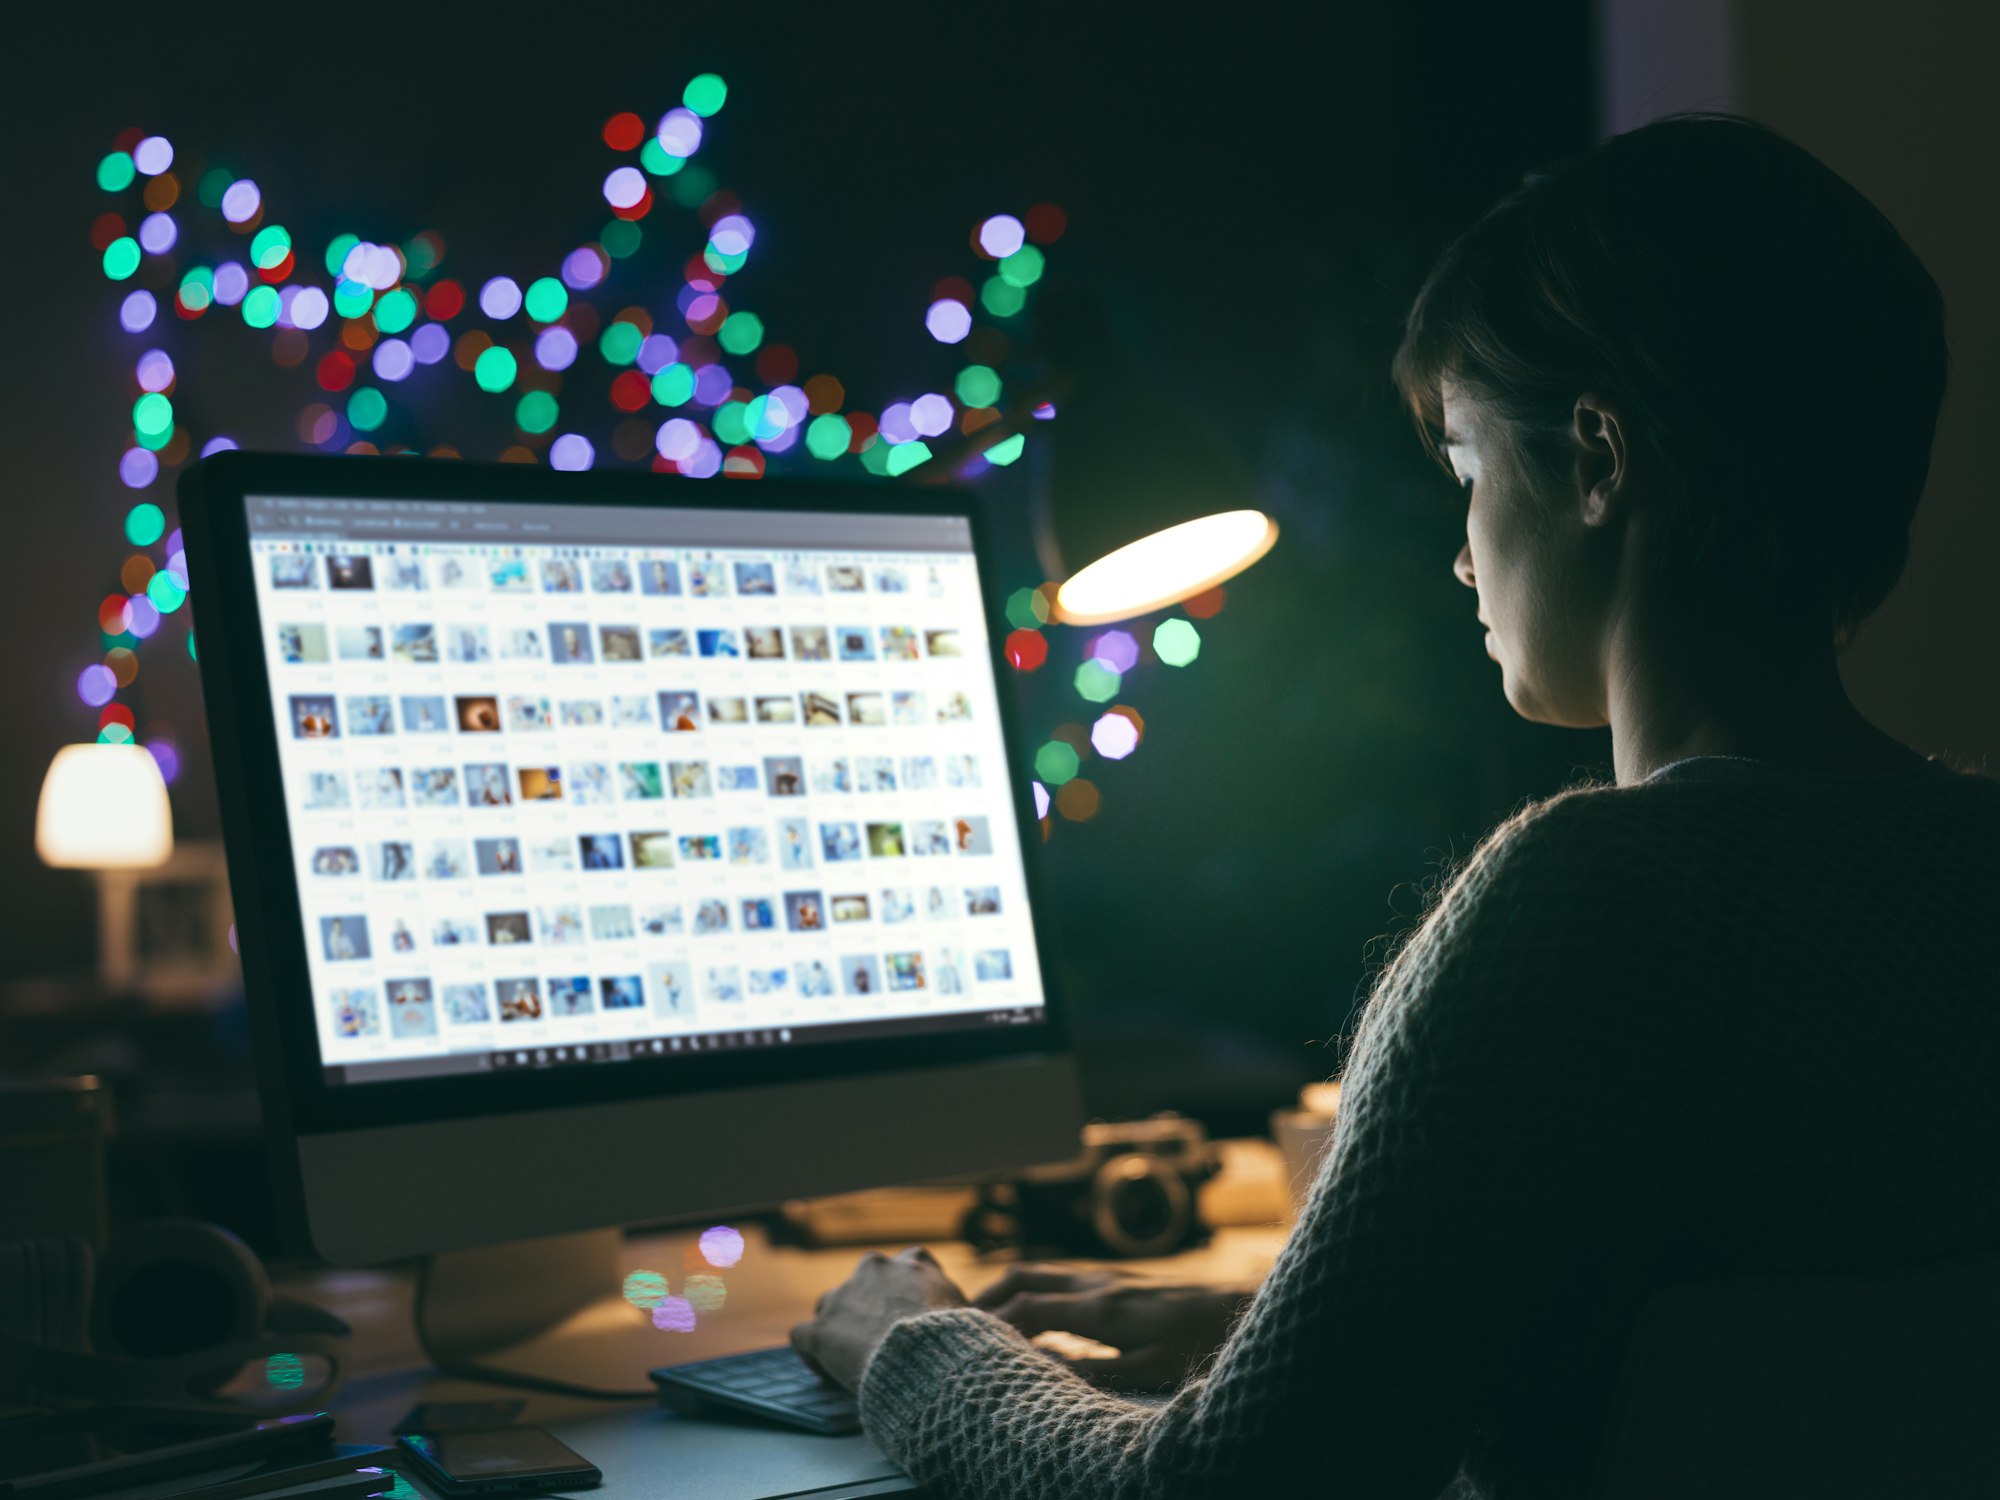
766 1293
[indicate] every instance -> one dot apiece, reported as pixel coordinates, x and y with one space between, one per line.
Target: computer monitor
579 820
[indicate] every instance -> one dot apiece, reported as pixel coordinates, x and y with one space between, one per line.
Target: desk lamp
104 808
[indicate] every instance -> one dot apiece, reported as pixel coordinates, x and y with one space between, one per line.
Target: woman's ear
1602 468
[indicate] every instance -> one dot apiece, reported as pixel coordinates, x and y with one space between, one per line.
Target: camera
1131 1192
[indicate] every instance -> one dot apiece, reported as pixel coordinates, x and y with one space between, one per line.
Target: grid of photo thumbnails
589 793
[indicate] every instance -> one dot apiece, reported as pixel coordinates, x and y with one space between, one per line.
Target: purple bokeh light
656 352
705 462
216 445
680 132
157 233
1117 650
138 468
624 187
309 308
712 384
721 1246
137 311
583 268
674 1315
155 370
1001 235
500 298
1114 736
153 155
896 425
430 343
232 283
241 200
930 414
96 685
572 451
393 360
555 348
948 320
167 758
677 439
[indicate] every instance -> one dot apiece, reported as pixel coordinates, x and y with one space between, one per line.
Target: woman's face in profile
1525 555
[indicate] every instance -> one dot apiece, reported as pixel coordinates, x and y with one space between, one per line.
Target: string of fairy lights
375 330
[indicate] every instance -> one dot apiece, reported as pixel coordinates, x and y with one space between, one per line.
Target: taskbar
545 1054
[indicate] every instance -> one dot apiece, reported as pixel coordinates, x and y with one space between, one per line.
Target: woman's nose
1461 566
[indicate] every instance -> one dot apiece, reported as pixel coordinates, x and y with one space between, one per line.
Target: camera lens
1139 1205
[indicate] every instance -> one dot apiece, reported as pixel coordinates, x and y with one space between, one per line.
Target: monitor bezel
231 652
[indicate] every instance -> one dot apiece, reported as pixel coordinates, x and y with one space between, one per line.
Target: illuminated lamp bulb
1162 569
104 807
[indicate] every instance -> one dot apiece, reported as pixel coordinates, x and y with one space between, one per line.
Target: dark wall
1255 204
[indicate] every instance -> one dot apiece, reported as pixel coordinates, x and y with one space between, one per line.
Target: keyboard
771 1383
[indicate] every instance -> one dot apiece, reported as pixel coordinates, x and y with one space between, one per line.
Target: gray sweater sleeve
1456 1212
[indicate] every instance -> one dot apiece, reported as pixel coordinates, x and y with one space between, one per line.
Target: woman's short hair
1777 347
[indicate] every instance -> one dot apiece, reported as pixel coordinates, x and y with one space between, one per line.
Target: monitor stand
545 1315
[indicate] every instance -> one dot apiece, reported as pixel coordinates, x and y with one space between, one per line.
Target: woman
1734 1014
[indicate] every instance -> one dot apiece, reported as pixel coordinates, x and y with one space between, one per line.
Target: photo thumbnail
336 860
314 717
518 999
370 715
728 710
468 644
943 643
345 939
757 914
855 643
619 643
773 709
415 645
903 971
899 643
478 715
354 1013
689 778
292 570
658 576
671 989
785 775
497 856
348 571
845 579
569 995
540 783
861 974
653 850
561 575
610 575
811 643
680 713
569 643
486 786
601 851
621 992
640 781
412 1012
707 579
358 642
669 642
508 928
756 578
764 643
466 1005
300 644
423 715
718 642
820 711
867 710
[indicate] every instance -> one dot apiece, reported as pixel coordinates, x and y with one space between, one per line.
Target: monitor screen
576 785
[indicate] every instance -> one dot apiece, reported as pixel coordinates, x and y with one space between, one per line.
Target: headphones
178 1316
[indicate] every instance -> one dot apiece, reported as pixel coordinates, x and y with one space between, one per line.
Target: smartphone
499 1461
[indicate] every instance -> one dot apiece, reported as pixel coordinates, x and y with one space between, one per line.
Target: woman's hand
1160 1331
855 1316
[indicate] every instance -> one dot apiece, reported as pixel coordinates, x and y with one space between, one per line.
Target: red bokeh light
777 364
630 391
955 287
104 229
1045 223
1208 605
335 372
637 210
1026 650
862 425
624 131
743 463
275 274
444 301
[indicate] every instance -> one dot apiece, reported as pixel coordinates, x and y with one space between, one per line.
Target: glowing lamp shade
1166 567
104 807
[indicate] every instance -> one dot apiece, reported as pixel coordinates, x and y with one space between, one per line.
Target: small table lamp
104 808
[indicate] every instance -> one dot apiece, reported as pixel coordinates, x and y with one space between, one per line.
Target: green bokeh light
191 651
336 252
828 436
1023 267
741 332
114 734
1001 297
1097 682
977 385
673 384
285 1372
1056 763
875 457
535 412
645 1289
121 257
1027 609
656 160
115 172
726 265
197 288
152 416
546 300
731 423
1006 450
352 298
269 247
706 1293
396 311
367 408
214 183
904 457
166 592
619 343
1176 642
693 186
146 523
260 307
705 93
619 238
495 369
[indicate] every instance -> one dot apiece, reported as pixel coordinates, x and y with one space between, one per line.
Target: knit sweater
1727 1020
